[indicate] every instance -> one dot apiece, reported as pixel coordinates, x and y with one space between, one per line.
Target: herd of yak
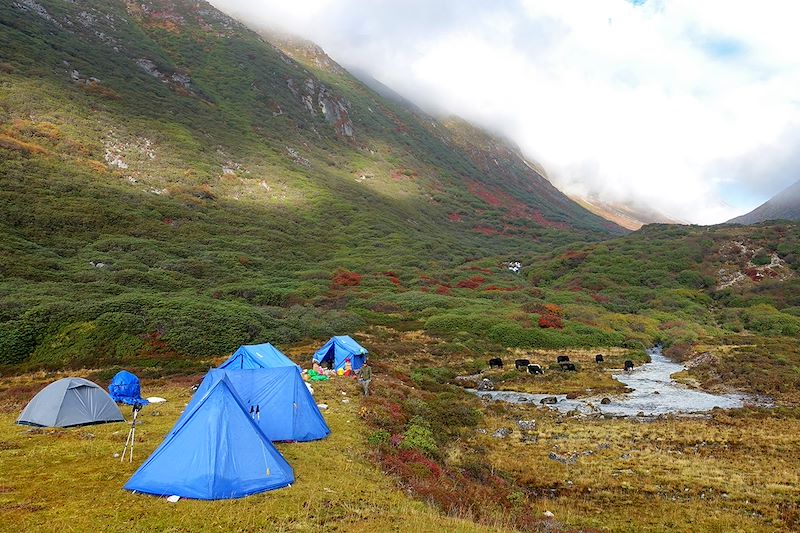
562 360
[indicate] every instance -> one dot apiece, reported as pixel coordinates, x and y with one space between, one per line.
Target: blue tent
124 388
286 409
338 349
257 356
215 451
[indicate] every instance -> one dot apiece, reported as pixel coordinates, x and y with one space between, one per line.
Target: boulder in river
549 400
486 384
605 401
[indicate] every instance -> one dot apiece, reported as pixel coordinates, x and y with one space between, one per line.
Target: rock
322 406
486 384
548 514
526 425
564 460
640 414
656 392
116 455
549 400
155 413
345 401
502 433
572 395
605 401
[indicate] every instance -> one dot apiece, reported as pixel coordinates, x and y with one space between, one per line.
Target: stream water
654 393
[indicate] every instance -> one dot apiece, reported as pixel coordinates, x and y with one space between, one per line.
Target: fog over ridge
683 106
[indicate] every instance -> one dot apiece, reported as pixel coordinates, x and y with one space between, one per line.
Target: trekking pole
131 435
127 441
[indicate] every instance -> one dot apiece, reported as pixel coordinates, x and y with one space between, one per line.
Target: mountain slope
174 184
783 206
628 216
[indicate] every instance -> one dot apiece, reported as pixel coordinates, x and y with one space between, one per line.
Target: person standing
365 376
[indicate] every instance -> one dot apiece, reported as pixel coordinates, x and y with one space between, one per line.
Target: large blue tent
125 388
215 451
286 411
257 356
338 349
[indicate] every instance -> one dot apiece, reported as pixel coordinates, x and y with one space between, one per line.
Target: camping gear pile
125 388
222 445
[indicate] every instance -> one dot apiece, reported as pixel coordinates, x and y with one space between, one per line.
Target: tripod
131 434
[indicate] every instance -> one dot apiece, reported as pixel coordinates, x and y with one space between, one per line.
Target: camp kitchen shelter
215 451
338 349
276 398
256 356
125 388
70 402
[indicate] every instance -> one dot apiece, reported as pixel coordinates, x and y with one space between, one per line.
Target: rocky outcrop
317 98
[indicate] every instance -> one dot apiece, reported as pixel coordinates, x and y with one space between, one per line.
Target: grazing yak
569 366
535 369
598 358
562 359
495 362
628 365
521 364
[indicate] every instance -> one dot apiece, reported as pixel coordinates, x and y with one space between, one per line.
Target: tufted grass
68 480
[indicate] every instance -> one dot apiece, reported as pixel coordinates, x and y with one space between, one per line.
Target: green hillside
219 185
175 185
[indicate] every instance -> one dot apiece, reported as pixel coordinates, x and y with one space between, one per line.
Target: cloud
676 104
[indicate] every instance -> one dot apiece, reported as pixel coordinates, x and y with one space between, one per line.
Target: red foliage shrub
443 289
599 298
754 274
392 277
454 217
485 230
471 283
550 321
500 289
345 278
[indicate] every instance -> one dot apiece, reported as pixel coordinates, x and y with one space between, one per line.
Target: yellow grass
721 474
69 480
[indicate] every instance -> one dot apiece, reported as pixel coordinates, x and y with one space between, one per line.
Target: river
654 393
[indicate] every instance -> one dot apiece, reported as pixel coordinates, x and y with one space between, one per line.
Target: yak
535 369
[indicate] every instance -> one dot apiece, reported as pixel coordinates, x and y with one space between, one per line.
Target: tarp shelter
286 409
338 350
215 451
70 402
125 388
256 356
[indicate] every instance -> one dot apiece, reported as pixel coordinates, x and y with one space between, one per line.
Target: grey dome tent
70 402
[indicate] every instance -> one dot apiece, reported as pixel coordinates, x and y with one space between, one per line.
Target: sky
688 107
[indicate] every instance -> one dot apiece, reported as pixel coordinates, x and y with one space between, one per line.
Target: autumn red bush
471 283
550 321
346 278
